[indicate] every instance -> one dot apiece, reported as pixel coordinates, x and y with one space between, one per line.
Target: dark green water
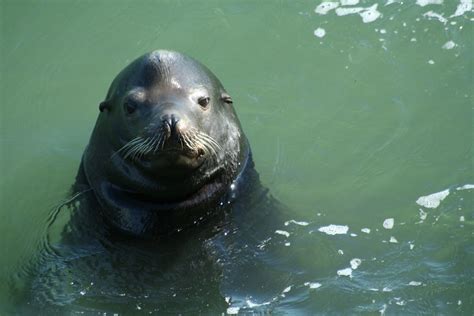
349 129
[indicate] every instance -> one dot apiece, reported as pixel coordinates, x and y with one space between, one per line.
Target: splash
437 16
233 310
432 200
300 223
371 13
282 232
449 45
345 272
334 229
349 2
388 223
466 187
423 3
319 32
355 263
313 285
325 7
463 7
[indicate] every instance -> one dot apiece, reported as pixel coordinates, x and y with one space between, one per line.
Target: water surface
357 114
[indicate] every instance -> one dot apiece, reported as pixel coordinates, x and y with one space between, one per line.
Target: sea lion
168 160
167 145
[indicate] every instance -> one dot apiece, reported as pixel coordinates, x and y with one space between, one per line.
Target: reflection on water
360 118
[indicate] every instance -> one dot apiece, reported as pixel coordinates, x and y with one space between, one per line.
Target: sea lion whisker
149 145
132 151
206 145
158 143
180 139
151 148
213 148
190 143
211 139
135 151
126 146
143 148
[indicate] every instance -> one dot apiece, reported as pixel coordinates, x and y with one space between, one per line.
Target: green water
349 129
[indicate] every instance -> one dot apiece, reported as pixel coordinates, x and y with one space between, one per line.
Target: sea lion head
166 146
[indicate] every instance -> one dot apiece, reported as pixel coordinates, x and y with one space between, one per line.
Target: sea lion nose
170 120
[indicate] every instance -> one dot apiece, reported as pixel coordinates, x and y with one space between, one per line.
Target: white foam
340 252
292 221
432 200
466 187
349 2
388 223
370 14
287 289
423 215
345 272
383 31
325 7
412 246
233 310
346 11
463 6
319 32
282 232
449 45
365 230
431 62
387 289
461 218
313 285
423 3
401 303
434 15
252 304
414 283
355 263
334 229
393 240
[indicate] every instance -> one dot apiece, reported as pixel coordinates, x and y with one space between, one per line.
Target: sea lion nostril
171 120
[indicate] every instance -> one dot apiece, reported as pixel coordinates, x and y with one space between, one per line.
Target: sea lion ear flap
104 105
226 98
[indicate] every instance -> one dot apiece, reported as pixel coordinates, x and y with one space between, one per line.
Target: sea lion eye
204 101
227 99
129 106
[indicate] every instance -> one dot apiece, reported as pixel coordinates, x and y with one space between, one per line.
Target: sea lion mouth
173 161
191 145
175 152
